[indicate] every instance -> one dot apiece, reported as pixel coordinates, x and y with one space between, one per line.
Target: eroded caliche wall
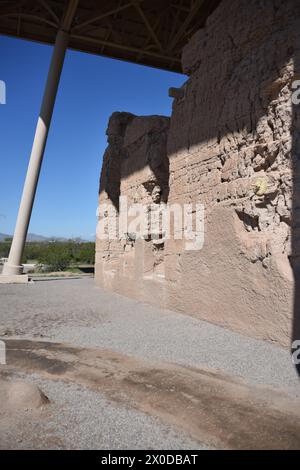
229 146
135 166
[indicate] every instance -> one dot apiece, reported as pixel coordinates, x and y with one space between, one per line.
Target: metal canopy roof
148 32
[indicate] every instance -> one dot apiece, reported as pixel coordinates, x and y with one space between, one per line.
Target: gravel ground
78 418
76 311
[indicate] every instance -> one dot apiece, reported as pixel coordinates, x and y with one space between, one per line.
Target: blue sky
91 88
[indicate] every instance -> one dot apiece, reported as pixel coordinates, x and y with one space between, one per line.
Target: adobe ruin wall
230 145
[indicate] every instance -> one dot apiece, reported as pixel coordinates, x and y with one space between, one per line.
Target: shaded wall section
232 145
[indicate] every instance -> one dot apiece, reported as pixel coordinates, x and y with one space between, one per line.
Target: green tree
56 256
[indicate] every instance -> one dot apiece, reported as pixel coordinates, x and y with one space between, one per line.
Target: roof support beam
102 42
194 10
69 15
49 10
30 17
100 16
148 26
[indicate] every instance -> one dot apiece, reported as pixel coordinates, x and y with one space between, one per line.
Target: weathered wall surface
135 166
230 147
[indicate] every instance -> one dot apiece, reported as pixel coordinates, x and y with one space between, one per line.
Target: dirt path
211 407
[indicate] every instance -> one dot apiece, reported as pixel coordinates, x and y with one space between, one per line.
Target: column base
12 270
12 274
14 279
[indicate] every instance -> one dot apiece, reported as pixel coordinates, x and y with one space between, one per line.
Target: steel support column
13 266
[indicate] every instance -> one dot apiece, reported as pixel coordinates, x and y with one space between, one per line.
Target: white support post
13 267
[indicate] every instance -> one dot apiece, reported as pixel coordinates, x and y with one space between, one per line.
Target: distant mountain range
33 237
